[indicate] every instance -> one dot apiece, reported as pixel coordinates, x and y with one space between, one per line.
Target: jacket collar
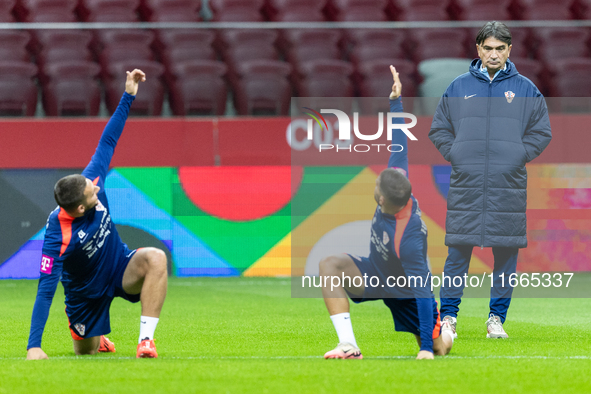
510 71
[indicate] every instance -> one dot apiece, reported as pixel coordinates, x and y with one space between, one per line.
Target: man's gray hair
495 29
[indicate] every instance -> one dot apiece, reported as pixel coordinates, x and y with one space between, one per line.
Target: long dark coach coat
488 131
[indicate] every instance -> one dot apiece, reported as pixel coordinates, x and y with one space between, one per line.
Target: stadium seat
18 92
336 8
309 37
50 10
295 10
431 43
325 78
581 9
263 88
362 14
6 7
530 69
236 10
376 44
198 88
300 54
419 10
61 45
249 37
186 51
170 10
481 10
376 82
544 10
13 44
169 37
561 43
107 10
71 89
123 52
570 77
149 102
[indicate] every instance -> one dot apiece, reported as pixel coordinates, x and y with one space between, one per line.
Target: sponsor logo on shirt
46 264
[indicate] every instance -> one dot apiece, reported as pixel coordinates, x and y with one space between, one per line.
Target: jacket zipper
486 167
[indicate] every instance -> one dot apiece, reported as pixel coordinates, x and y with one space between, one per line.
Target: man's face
493 53
90 195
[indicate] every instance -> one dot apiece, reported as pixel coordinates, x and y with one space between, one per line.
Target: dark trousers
457 264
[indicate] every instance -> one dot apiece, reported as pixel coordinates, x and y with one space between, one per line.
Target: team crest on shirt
99 206
509 95
386 239
81 328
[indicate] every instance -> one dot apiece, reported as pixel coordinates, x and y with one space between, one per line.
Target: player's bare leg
441 345
146 274
87 345
337 301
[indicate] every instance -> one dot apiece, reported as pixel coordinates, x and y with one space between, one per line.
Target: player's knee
328 265
157 260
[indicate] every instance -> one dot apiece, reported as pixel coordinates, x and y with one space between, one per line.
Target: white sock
342 323
449 333
147 327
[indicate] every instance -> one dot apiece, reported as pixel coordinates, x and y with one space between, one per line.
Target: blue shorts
89 317
404 309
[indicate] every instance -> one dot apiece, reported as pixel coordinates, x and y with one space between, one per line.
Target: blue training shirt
399 244
82 250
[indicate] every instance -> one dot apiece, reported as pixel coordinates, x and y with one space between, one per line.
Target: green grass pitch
241 335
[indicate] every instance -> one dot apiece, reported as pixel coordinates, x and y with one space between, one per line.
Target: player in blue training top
82 247
398 250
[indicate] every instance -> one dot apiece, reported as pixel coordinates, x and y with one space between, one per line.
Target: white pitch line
110 358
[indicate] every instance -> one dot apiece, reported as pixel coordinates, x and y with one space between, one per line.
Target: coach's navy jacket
488 131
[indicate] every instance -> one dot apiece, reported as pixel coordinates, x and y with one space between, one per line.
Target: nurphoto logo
344 142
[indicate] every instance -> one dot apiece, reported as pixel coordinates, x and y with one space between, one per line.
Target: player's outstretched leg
146 274
337 302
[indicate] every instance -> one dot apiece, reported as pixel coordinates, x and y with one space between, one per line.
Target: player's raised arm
99 165
398 158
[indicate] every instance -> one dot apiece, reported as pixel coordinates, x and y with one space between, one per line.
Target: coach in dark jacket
489 123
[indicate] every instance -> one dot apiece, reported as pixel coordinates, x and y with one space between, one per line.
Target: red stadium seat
237 10
570 78
263 88
295 10
325 78
6 7
60 54
121 38
170 37
545 10
300 54
531 69
72 89
362 14
310 37
560 43
18 92
198 88
481 10
582 9
419 10
431 43
107 10
13 44
377 44
50 10
251 37
176 15
149 99
152 10
123 52
376 81
186 51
